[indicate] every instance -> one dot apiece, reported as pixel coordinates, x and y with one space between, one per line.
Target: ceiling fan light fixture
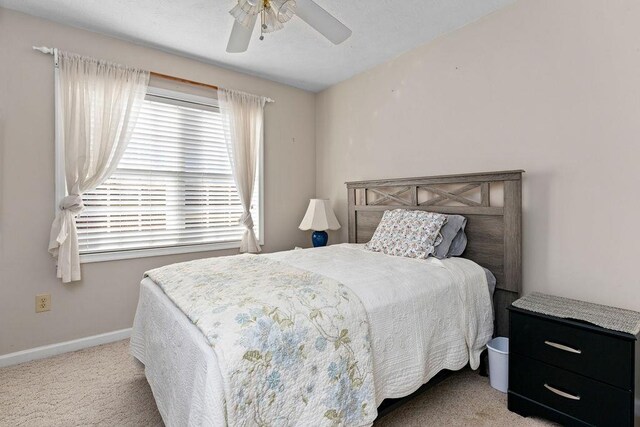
285 9
270 22
273 14
244 12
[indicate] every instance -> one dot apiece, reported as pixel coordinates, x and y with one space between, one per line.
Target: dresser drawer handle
562 393
563 347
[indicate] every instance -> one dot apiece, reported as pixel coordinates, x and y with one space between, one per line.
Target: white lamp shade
319 216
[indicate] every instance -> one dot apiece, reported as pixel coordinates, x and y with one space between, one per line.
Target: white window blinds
173 186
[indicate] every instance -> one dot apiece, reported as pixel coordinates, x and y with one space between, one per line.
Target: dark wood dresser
572 372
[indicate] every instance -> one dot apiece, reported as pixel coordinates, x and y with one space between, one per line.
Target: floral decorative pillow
408 233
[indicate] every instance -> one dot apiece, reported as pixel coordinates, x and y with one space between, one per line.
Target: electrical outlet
43 302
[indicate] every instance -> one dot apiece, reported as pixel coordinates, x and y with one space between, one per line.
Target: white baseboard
63 347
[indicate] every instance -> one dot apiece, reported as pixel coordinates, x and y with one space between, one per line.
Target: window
173 190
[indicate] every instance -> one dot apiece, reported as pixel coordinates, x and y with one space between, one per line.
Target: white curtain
98 105
244 114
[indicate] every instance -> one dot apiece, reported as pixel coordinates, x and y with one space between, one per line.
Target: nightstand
565 368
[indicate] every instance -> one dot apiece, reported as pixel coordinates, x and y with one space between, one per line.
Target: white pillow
408 233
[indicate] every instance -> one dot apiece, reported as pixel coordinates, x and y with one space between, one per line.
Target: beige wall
549 86
106 298
552 87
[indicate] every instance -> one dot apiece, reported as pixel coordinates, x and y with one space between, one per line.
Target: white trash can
499 363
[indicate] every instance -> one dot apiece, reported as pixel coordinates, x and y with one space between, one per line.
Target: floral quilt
293 346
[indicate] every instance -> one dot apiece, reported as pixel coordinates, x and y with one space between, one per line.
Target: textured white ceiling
296 55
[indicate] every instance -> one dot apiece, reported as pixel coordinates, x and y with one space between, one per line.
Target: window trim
60 191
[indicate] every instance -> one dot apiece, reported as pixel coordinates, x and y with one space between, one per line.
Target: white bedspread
424 316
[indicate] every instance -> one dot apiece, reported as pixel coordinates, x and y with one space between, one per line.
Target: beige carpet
104 386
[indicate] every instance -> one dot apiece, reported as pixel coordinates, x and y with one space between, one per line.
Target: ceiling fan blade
322 21
240 36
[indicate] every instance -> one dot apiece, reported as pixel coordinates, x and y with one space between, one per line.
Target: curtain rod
54 51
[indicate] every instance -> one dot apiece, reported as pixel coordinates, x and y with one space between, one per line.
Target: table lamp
319 217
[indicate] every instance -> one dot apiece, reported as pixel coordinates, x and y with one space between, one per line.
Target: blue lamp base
319 238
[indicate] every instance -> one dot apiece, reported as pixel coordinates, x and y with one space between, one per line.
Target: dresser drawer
588 400
581 350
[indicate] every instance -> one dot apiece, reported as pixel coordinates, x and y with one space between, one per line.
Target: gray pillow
454 239
491 281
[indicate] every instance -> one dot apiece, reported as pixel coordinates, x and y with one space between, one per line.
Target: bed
423 316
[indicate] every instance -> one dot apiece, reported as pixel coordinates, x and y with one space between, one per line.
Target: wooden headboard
491 202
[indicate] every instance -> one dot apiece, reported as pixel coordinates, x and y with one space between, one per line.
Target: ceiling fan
274 14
